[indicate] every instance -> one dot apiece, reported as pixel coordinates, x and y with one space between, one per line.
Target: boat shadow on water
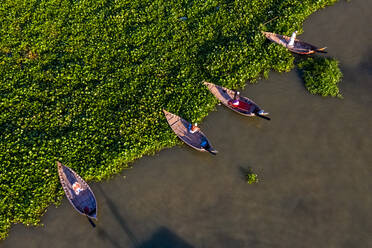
105 236
365 66
115 212
162 237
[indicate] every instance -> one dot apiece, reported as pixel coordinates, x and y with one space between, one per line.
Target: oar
91 222
269 21
262 116
235 93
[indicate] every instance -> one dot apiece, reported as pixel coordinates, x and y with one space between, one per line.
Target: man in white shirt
292 40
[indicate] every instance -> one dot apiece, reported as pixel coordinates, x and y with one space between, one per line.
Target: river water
313 159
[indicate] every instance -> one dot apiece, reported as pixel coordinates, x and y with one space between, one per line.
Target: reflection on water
313 160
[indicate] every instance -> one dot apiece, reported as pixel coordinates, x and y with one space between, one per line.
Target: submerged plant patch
84 82
321 76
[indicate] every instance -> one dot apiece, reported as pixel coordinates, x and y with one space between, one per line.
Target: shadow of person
164 238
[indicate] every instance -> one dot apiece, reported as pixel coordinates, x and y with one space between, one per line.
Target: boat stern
92 215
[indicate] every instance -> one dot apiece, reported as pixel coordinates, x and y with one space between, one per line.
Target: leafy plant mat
321 76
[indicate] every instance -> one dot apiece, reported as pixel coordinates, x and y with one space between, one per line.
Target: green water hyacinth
251 178
84 82
321 76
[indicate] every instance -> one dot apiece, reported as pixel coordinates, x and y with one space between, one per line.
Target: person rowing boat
235 102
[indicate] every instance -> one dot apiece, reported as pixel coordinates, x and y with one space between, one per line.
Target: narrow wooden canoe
180 127
225 95
299 47
77 191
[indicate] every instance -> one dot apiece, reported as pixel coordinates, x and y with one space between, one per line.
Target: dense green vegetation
84 82
321 76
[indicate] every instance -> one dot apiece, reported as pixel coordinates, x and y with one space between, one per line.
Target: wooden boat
181 128
299 47
225 96
77 191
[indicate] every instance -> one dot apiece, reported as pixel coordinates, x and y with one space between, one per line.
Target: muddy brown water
313 159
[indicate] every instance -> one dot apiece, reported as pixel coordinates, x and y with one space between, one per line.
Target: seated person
77 188
292 40
236 103
193 128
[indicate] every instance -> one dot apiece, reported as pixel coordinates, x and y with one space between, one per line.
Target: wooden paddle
262 116
91 222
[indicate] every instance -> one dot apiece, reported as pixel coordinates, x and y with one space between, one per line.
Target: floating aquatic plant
251 177
321 76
